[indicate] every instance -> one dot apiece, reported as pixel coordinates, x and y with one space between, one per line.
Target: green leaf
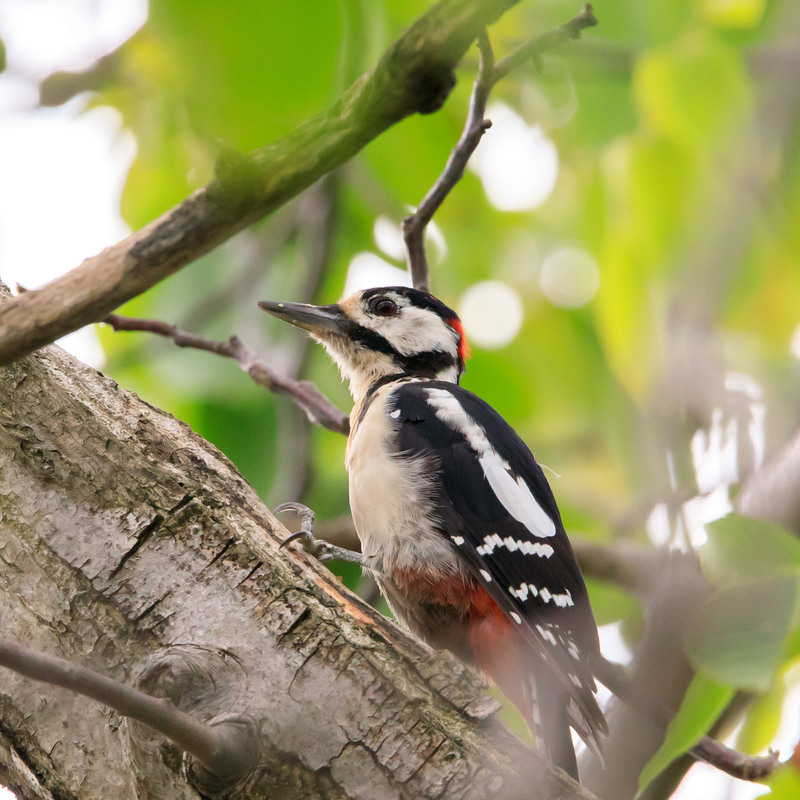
660 176
785 784
792 646
739 634
703 703
763 719
741 548
626 318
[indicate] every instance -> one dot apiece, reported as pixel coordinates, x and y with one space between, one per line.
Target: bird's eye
384 307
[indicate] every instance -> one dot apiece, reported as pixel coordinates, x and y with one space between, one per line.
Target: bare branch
547 41
621 563
488 75
739 765
218 747
317 407
773 492
414 226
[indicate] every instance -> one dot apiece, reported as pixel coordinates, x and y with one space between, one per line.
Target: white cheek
415 331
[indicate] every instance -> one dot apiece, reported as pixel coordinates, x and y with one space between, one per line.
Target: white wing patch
524 546
561 599
513 493
516 496
546 634
553 634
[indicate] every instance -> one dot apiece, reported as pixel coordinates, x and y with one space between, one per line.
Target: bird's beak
319 320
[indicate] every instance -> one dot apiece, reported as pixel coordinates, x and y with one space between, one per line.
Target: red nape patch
463 344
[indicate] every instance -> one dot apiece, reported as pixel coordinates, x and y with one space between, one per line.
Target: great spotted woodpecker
454 515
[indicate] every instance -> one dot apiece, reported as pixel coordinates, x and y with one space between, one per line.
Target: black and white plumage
455 516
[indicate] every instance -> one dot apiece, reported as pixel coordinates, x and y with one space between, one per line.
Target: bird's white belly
390 498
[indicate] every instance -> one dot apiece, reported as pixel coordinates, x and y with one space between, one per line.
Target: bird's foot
319 548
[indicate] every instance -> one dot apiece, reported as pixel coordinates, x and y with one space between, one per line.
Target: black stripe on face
427 365
372 340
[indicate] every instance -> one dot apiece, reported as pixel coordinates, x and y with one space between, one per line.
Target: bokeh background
623 250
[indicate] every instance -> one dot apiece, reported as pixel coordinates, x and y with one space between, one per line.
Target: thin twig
488 75
738 765
318 408
414 225
547 41
218 747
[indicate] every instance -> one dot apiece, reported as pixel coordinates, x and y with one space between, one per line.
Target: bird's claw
319 548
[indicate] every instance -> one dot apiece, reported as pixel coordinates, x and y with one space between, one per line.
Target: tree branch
414 225
317 407
476 125
738 765
547 41
415 75
228 750
773 492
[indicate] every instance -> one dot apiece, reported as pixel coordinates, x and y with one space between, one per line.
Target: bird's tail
540 697
551 724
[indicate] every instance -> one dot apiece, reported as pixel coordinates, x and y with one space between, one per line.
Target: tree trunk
130 545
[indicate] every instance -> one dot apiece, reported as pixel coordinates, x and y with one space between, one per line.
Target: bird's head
386 331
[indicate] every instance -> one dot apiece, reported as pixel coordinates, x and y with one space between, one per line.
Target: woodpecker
455 517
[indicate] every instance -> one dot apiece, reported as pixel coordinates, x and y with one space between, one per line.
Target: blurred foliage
785 785
679 173
705 700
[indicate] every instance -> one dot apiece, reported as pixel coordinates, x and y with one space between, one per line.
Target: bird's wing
499 512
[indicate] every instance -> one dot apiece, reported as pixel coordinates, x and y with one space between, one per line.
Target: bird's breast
392 495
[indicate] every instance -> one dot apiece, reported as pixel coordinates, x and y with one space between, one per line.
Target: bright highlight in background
569 277
63 168
794 345
491 313
516 162
367 270
388 237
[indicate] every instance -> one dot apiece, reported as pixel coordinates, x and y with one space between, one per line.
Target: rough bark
125 535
